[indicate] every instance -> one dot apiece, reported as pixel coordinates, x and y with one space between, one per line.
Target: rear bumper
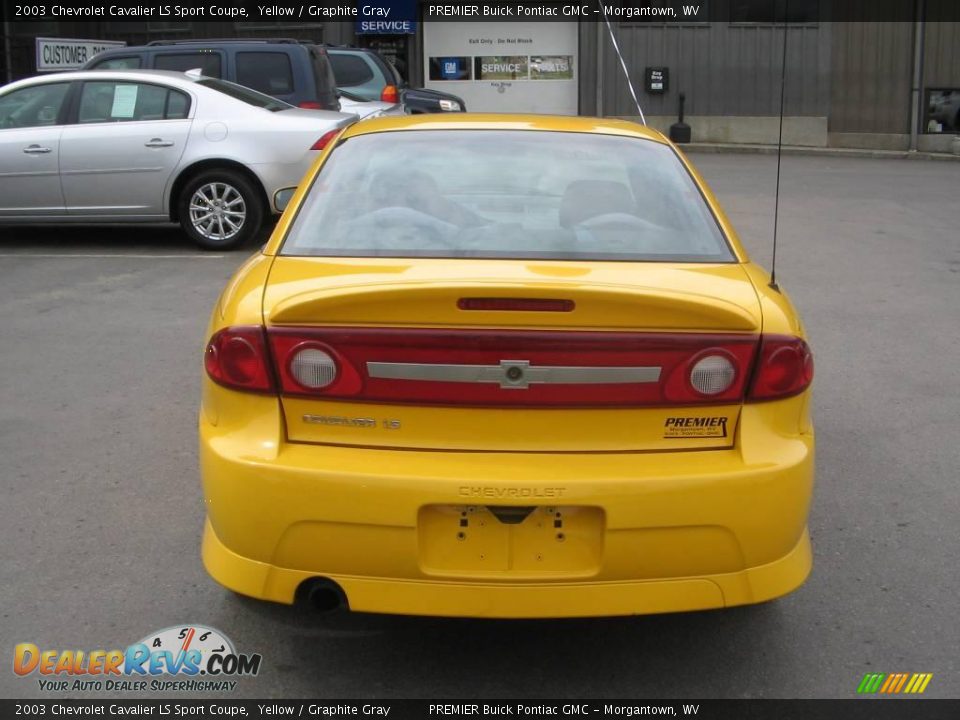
517 600
646 532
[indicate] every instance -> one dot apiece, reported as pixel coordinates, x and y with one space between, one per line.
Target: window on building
774 11
167 26
943 111
209 63
294 28
267 72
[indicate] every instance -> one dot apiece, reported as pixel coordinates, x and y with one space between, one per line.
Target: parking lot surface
101 335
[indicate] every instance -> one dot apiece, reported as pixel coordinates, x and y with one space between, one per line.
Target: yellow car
505 366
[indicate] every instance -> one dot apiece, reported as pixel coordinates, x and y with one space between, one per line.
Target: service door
525 67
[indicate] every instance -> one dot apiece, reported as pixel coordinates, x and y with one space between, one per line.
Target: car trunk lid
513 356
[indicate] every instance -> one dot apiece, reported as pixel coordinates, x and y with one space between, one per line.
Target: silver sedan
152 146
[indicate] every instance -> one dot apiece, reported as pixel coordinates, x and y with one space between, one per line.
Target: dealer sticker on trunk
695 427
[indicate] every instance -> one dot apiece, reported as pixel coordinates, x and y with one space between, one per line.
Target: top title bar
412 11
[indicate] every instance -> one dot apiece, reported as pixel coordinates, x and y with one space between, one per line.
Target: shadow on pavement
106 239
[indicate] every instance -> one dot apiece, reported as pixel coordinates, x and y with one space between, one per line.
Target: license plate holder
477 540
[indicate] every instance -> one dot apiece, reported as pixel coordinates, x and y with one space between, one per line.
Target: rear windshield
506 194
250 97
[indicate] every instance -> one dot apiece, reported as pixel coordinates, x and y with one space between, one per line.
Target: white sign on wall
527 67
69 54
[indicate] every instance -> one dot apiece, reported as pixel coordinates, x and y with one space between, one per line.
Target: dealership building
865 84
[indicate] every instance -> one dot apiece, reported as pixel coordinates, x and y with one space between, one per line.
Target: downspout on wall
919 36
8 49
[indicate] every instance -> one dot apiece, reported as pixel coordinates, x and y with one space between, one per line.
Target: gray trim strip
513 374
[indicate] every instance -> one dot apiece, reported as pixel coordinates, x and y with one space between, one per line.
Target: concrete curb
716 148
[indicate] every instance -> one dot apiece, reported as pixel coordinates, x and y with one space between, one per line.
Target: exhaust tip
322 595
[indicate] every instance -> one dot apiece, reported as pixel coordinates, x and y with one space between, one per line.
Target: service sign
386 17
69 54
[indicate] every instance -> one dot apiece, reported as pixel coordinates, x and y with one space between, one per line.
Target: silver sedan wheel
217 211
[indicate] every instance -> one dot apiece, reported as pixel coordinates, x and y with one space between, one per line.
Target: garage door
504 67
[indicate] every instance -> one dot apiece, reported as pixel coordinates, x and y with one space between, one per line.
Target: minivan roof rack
207 41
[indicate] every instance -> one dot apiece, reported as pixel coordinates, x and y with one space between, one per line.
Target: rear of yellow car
535 377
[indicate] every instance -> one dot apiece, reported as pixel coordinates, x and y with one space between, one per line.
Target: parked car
368 74
506 366
296 72
152 146
366 109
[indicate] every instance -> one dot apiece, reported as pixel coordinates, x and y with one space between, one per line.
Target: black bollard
680 131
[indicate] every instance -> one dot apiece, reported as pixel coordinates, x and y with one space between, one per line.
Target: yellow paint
651 524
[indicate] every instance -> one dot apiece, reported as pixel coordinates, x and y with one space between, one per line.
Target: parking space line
112 255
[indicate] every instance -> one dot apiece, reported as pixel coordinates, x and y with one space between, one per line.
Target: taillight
310 105
711 373
306 365
497 368
390 94
236 357
325 139
784 368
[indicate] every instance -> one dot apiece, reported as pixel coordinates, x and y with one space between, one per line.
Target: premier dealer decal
695 427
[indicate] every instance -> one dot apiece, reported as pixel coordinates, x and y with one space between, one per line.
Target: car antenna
776 201
623 64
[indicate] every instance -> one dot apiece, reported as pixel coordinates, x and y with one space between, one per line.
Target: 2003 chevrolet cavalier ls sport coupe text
506 366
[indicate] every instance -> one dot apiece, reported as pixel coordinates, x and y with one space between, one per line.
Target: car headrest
584 199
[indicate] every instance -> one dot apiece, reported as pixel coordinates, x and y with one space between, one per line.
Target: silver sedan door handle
36 150
158 142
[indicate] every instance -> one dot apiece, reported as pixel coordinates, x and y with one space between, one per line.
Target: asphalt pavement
101 335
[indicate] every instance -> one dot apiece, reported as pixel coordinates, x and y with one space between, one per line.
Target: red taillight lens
325 139
310 105
390 94
784 368
236 358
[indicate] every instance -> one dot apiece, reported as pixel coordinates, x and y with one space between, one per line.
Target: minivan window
350 70
132 62
266 72
208 62
250 97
